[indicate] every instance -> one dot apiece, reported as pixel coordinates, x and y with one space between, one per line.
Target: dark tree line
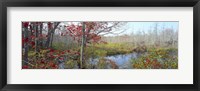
35 38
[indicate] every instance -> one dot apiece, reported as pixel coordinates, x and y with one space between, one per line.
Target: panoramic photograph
100 44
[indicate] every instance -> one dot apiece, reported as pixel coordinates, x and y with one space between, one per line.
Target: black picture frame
99 3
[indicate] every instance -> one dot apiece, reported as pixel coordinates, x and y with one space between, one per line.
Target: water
121 60
61 64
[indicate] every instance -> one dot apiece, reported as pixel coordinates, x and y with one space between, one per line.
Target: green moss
31 53
70 64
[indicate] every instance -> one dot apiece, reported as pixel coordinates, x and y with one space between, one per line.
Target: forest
99 45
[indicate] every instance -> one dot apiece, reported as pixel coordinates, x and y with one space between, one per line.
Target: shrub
156 59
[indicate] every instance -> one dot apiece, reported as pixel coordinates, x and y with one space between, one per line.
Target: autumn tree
90 32
84 33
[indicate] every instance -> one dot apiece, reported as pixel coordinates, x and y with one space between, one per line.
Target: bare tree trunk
48 35
51 39
36 41
52 33
82 45
26 45
41 40
156 33
87 38
31 33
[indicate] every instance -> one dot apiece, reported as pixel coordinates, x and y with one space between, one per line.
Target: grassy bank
161 58
108 49
152 58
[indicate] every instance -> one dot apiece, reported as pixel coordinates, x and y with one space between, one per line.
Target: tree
25 41
40 34
51 29
156 33
82 44
35 26
89 32
48 34
93 30
52 32
84 33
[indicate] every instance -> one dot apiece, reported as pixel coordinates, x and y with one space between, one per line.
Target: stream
121 60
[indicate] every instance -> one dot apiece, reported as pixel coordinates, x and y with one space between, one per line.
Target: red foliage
52 50
63 52
147 61
25 67
33 47
42 62
52 56
25 24
154 61
32 43
54 66
68 51
24 40
96 38
43 67
32 37
75 31
78 53
91 25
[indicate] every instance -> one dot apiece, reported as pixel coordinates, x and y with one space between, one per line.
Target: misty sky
136 27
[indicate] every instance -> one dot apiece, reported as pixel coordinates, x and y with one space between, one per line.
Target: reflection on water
121 60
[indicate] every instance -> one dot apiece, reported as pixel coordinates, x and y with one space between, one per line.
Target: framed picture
92 45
